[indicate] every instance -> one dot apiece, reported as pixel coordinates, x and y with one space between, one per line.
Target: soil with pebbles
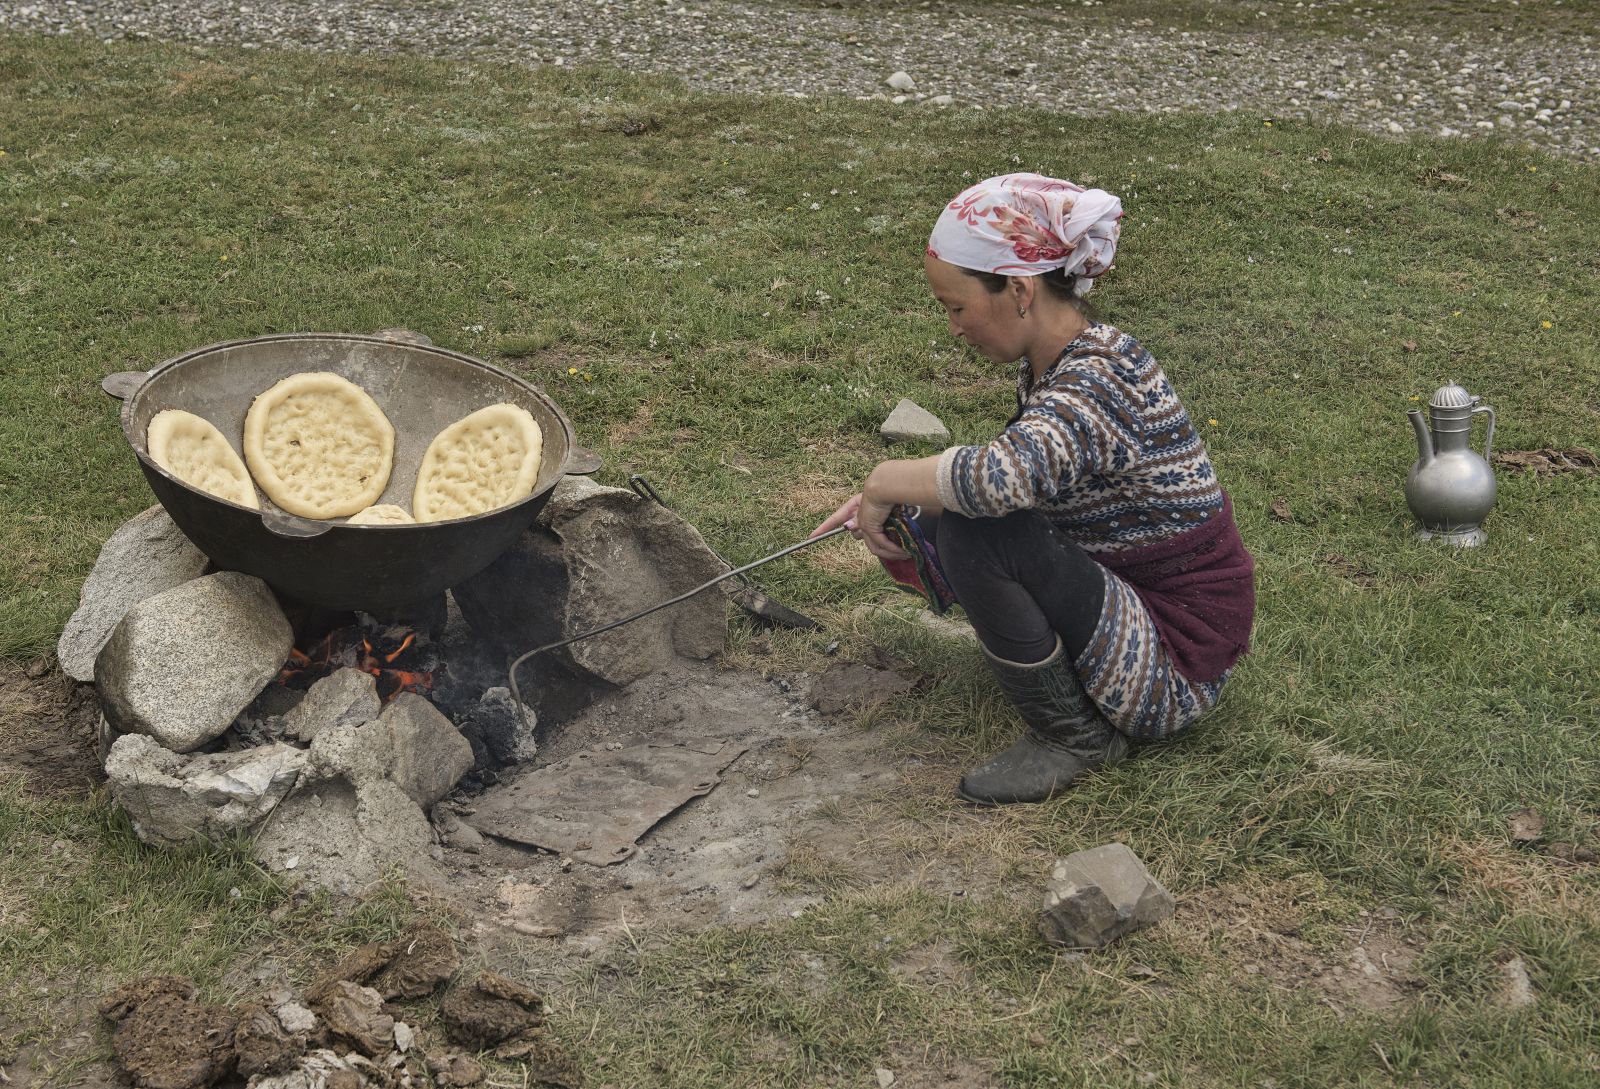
1523 83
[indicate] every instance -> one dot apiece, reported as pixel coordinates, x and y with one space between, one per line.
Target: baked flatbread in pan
384 514
479 463
319 445
193 450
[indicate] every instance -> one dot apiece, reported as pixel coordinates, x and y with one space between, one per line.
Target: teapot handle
1488 440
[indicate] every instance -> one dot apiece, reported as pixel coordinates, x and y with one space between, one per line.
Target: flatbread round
319 446
194 451
484 461
384 514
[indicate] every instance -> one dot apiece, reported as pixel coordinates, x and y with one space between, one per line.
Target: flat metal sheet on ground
594 805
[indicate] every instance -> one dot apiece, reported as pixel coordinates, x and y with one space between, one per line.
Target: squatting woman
1089 543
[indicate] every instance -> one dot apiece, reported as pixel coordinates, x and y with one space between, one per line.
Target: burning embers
397 656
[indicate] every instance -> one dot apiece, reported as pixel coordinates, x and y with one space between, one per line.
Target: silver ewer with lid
1451 487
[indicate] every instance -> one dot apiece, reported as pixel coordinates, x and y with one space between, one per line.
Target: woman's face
986 320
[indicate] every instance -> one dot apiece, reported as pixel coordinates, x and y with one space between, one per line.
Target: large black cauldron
376 569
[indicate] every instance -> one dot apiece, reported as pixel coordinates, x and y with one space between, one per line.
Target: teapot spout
1424 436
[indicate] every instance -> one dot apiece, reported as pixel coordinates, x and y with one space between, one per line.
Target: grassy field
726 293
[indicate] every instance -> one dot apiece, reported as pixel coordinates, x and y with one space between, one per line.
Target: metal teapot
1451 488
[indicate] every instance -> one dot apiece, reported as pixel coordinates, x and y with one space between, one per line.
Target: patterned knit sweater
1100 445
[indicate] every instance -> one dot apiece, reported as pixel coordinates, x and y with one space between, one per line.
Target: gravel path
1529 86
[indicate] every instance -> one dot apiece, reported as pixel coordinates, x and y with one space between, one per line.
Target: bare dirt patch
811 806
47 730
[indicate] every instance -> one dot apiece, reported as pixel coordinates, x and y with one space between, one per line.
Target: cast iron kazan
376 569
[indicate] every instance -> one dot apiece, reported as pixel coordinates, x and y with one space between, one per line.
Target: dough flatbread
385 514
194 451
319 446
484 461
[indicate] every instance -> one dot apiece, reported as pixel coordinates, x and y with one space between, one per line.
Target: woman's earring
1022 311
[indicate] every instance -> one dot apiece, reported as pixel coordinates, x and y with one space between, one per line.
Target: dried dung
130 996
168 1042
851 686
413 965
422 961
456 1070
355 1014
490 1011
547 1062
262 1045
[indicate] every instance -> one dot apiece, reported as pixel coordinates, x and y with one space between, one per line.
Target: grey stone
910 422
601 554
411 744
147 555
404 336
346 839
358 752
902 81
457 833
174 798
181 665
1096 896
429 754
344 697
1516 988
498 734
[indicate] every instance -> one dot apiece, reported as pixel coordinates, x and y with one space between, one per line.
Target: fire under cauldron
377 569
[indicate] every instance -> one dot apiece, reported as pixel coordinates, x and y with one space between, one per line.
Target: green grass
1300 284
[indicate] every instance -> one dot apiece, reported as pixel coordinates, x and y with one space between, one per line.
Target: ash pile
330 738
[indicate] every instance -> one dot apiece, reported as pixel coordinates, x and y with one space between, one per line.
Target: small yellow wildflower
1533 170
587 377
1213 423
224 257
1455 313
1544 325
572 370
1267 123
1415 398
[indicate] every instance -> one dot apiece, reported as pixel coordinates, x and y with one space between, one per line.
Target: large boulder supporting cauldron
596 555
181 665
147 555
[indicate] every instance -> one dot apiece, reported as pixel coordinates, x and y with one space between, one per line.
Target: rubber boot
1066 734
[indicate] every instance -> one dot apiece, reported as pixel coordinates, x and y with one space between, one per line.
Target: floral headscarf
1025 224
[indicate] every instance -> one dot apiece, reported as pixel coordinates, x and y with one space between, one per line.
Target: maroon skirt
1200 590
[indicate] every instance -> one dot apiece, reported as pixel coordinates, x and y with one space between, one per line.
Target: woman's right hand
849 515
844 516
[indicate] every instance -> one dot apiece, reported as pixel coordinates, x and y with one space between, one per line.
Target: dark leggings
1021 582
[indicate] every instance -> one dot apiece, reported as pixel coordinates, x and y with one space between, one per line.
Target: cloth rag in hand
919 573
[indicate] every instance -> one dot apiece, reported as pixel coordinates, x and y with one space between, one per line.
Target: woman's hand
872 513
844 516
866 528
891 484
